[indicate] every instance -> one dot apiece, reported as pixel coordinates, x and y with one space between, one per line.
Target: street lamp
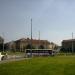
31 37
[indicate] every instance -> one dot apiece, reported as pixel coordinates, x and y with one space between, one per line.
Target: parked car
3 56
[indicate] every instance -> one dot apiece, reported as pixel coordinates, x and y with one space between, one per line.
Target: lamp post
31 38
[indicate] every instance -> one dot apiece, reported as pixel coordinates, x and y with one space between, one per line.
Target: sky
55 19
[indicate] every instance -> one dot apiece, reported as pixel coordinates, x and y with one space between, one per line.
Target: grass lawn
59 65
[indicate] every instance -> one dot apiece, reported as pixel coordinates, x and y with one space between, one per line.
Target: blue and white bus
40 52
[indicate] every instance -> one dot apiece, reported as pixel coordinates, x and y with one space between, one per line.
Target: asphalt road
13 58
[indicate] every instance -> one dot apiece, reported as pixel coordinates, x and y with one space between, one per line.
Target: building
10 46
25 43
68 45
1 43
53 46
1 40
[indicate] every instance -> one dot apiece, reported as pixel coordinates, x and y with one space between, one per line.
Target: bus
40 52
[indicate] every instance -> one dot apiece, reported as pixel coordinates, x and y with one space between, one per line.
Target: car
3 56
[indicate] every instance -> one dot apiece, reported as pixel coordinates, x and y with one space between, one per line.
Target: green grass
59 65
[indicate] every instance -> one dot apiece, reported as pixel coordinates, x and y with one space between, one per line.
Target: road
13 58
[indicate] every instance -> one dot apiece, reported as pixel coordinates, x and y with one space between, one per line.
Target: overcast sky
55 19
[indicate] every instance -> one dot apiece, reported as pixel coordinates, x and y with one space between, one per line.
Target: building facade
68 45
22 44
1 43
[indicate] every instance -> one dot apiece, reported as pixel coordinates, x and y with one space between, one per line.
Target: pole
72 42
31 37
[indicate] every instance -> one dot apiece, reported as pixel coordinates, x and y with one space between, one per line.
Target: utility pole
72 43
31 37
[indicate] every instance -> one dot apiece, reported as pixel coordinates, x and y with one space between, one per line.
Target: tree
41 47
28 46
